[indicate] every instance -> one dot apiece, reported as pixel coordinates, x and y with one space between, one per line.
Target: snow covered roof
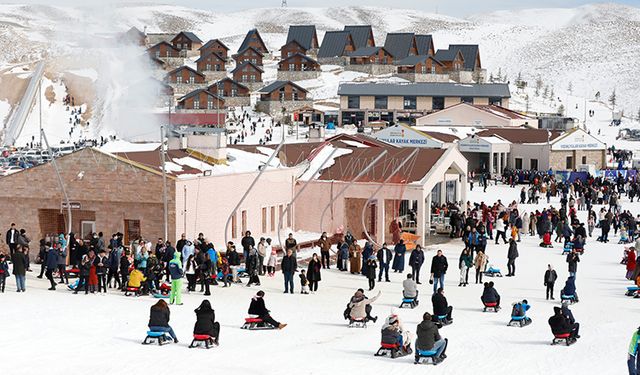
426 89
521 135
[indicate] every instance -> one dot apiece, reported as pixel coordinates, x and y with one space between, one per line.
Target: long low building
405 102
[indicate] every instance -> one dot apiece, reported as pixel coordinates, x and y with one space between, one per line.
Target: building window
433 70
437 103
244 221
584 160
157 53
280 211
495 101
264 220
518 163
569 165
380 102
410 102
234 226
467 99
254 61
131 230
273 218
281 96
178 79
423 69
289 54
210 104
234 92
534 164
292 67
353 102
208 67
192 79
294 94
196 103
253 78
218 67
221 92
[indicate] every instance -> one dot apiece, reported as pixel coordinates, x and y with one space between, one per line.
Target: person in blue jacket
343 256
398 260
52 265
570 288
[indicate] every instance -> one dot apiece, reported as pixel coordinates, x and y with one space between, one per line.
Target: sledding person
520 308
512 254
176 273
358 306
393 333
398 260
258 308
429 339
464 263
570 288
441 306
550 277
206 322
439 267
410 288
568 314
415 261
633 360
159 319
560 324
490 295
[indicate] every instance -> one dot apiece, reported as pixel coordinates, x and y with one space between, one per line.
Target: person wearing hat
358 306
633 361
560 324
569 316
393 333
550 277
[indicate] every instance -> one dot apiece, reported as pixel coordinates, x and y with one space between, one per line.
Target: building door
569 165
131 230
87 228
373 209
534 164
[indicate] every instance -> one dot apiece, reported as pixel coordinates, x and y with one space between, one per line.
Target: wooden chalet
253 39
336 44
211 61
362 35
229 88
470 54
451 59
247 72
163 49
280 91
298 63
186 40
370 55
421 64
291 48
305 36
134 36
424 43
249 54
215 45
401 45
200 99
185 75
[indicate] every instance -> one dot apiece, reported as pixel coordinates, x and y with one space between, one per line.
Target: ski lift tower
284 3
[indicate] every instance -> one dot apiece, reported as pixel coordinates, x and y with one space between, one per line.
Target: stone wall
419 77
108 190
373 69
558 159
333 60
274 108
462 76
172 62
214 76
180 89
285 75
237 101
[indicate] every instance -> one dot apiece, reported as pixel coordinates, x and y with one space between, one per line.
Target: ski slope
102 334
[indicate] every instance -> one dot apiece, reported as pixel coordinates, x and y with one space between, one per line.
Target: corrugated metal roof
413 60
366 51
469 53
277 85
446 54
189 35
298 54
245 64
399 44
303 34
360 34
423 42
247 40
211 42
426 89
198 91
333 44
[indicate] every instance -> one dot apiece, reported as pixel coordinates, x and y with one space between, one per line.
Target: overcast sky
449 7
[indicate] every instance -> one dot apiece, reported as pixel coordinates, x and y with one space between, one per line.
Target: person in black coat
440 305
52 265
512 254
550 277
83 277
19 261
371 271
159 316
289 266
415 261
12 238
439 267
206 321
572 260
247 242
384 258
560 324
313 272
258 308
490 294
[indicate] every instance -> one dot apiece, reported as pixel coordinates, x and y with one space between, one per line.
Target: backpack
518 310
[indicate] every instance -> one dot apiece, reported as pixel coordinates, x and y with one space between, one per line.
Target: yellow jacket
136 278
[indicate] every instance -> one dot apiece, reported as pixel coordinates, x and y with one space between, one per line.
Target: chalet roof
423 42
367 51
256 67
169 45
426 89
413 60
244 50
211 42
211 53
246 41
469 52
447 55
333 43
227 79
442 137
197 92
294 41
277 85
360 34
189 35
185 67
521 135
150 161
502 112
303 34
298 54
399 44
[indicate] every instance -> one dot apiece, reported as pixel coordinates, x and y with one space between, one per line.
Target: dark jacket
313 271
246 242
391 336
490 295
205 321
16 233
569 287
427 334
440 305
513 250
573 260
257 307
289 264
158 317
388 253
416 258
85 266
550 277
559 324
52 259
439 265
19 260
168 254
101 270
233 258
124 265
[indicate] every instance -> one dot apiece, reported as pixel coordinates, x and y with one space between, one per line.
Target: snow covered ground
102 334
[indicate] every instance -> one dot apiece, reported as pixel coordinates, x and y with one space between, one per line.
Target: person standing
101 263
550 277
371 271
633 360
384 257
512 254
262 253
572 261
501 229
175 271
464 263
12 239
398 260
247 243
355 258
325 247
291 244
480 262
252 267
62 263
439 267
52 265
289 266
415 261
313 272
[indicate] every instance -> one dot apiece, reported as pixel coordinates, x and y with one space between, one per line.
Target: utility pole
164 181
64 191
40 109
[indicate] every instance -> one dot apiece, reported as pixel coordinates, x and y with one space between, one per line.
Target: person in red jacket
631 262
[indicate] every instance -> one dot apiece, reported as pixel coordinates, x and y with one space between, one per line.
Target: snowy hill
595 47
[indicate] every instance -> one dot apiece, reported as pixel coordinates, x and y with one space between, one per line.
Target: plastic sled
130 290
563 338
570 299
441 321
255 324
160 295
429 356
73 285
242 272
409 302
203 341
161 338
519 321
393 350
491 305
353 323
72 272
493 272
631 291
